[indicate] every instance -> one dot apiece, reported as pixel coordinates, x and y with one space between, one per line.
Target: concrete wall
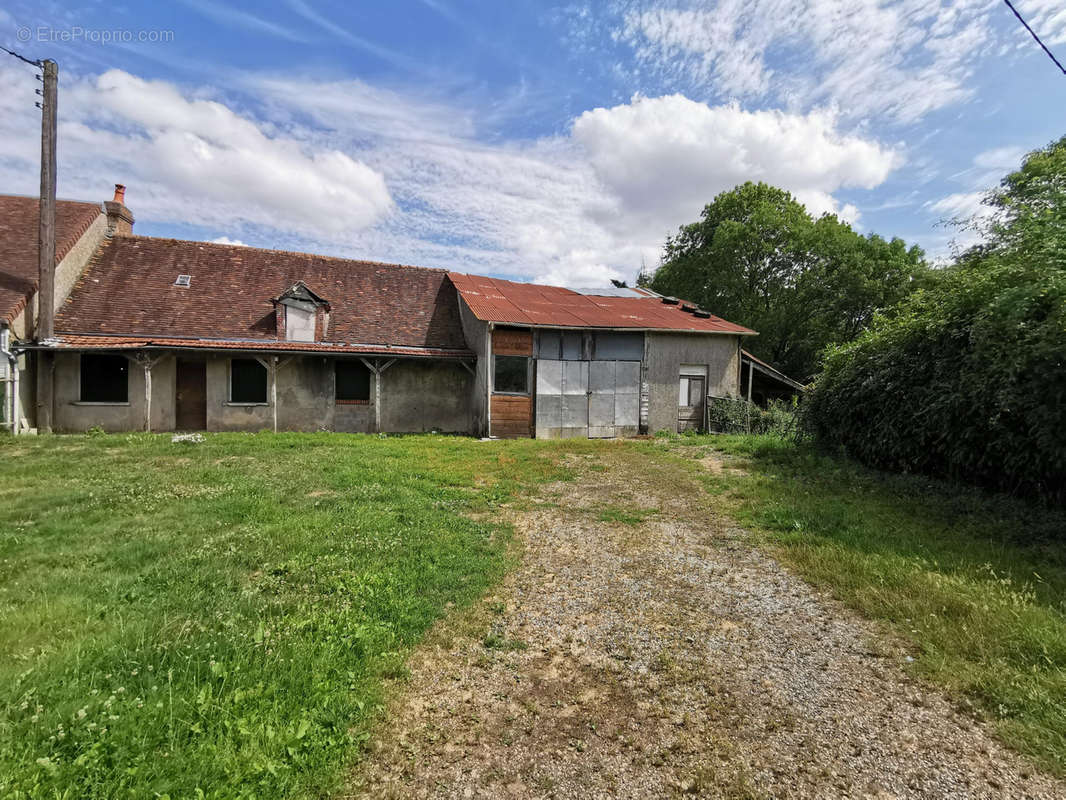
668 351
71 415
416 396
426 395
478 340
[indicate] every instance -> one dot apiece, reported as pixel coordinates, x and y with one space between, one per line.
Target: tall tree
757 257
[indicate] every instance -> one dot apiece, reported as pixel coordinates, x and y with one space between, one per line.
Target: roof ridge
367 262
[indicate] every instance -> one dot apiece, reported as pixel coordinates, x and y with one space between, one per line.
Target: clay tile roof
496 300
18 245
128 291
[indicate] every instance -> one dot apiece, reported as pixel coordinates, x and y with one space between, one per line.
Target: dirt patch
669 658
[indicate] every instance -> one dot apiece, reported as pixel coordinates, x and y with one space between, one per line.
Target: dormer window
302 316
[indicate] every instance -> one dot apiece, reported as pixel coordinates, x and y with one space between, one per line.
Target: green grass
219 617
976 583
625 516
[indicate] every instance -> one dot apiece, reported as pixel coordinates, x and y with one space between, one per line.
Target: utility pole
46 246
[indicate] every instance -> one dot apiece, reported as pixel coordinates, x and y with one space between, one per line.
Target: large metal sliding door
562 399
614 398
597 399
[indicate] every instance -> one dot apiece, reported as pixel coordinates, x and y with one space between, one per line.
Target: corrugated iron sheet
496 300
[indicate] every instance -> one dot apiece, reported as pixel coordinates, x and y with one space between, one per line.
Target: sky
561 143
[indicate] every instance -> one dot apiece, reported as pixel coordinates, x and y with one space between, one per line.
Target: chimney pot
119 218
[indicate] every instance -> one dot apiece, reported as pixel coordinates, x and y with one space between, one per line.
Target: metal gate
595 399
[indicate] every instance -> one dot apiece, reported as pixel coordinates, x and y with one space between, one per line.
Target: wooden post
274 389
46 247
377 368
148 394
751 380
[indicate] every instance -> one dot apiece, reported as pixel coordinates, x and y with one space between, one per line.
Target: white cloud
868 57
359 171
960 205
200 160
1047 18
227 240
665 157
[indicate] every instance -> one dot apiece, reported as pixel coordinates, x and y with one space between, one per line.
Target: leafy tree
757 257
967 378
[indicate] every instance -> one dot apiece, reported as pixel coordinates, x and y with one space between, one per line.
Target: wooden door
191 396
691 402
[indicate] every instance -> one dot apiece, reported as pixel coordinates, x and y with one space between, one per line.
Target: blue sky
560 143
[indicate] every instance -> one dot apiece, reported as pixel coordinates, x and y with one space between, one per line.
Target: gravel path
640 649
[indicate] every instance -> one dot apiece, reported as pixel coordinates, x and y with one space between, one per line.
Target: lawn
975 583
219 617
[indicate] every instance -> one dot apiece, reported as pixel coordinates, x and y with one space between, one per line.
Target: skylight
183 280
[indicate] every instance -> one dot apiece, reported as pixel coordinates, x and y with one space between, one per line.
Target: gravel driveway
643 648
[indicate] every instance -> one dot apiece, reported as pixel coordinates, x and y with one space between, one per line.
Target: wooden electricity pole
46 246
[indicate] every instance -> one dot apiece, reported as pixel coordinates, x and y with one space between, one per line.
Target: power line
31 62
1050 55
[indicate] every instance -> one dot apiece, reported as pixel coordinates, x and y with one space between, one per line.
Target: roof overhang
80 342
769 371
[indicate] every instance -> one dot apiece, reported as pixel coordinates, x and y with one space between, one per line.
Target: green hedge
966 381
733 415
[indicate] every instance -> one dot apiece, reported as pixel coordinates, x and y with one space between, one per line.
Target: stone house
159 334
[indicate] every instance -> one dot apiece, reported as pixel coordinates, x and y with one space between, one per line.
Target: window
692 383
105 379
300 322
247 381
511 375
353 382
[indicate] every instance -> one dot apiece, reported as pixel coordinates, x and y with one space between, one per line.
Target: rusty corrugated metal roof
497 300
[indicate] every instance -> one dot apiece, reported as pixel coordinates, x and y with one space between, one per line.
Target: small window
247 381
511 375
183 280
691 391
105 379
353 382
299 323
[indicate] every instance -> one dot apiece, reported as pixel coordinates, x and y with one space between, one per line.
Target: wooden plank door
191 396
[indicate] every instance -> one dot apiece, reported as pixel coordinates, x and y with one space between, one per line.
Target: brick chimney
119 218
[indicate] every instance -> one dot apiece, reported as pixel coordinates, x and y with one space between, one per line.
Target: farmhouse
159 334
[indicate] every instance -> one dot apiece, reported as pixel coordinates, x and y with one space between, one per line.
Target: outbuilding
162 334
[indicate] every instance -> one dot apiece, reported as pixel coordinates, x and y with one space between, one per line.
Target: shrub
734 415
967 381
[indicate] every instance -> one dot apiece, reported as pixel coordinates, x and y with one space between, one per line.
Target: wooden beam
274 390
377 368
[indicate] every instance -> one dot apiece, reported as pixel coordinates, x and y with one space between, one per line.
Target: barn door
562 399
614 398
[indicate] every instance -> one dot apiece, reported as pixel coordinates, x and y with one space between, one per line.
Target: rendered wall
477 337
71 415
416 396
666 352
